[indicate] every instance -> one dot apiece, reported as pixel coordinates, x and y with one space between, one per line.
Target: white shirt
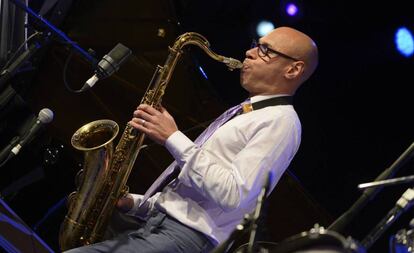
219 182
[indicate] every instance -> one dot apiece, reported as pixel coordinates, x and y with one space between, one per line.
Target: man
220 175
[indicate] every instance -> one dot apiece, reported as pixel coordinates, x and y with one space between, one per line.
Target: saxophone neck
193 38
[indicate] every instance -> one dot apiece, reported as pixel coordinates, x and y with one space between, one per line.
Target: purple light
291 9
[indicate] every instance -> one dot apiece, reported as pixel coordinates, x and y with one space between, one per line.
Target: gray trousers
160 234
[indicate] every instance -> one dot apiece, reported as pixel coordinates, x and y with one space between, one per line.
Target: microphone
45 116
109 64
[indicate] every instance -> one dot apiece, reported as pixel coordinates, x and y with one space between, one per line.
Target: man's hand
158 125
125 203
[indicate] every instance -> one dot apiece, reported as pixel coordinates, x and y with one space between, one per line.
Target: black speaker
16 236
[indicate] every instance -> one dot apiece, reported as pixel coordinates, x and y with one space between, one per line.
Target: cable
19 48
6 160
65 81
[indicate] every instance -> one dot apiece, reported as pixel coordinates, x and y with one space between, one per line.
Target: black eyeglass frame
264 49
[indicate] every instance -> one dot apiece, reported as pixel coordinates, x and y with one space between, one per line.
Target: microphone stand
249 220
368 194
237 233
260 201
55 31
5 153
8 73
8 92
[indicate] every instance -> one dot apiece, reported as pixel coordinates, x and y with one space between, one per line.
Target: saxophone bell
95 139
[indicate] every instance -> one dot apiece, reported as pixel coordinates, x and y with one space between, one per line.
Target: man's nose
251 53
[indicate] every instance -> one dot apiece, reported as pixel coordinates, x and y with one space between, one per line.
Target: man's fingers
143 115
141 124
165 112
148 109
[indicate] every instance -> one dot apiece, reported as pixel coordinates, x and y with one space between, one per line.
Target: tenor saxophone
102 181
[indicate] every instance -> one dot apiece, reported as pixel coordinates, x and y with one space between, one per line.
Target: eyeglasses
264 50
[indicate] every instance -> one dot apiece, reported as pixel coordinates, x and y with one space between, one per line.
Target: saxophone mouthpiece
232 63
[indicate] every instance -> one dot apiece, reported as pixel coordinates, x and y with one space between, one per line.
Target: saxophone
102 180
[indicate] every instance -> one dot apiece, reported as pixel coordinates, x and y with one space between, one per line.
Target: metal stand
236 234
387 182
53 31
10 71
5 153
256 215
249 221
368 194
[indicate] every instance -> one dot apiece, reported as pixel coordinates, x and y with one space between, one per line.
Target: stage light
404 41
291 9
264 27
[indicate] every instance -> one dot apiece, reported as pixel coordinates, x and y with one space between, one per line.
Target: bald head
284 59
298 45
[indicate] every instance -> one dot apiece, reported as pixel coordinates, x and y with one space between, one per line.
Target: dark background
356 110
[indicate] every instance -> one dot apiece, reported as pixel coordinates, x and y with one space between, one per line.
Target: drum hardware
403 204
262 247
316 240
369 193
320 240
402 242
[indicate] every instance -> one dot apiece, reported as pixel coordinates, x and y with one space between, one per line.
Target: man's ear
295 70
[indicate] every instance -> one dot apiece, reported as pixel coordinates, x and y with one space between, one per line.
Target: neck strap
285 100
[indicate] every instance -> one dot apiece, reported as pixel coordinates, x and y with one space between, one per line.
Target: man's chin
243 82
243 86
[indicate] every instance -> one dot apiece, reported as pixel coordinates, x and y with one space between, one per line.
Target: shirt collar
258 98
